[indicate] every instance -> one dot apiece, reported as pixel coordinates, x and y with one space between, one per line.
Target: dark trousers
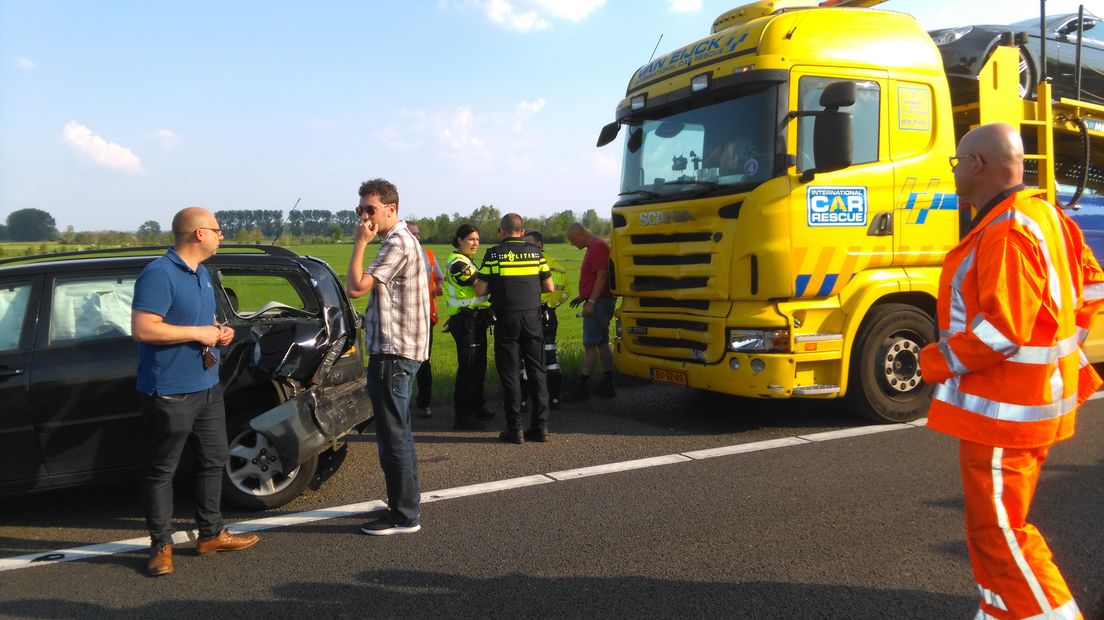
519 339
425 379
170 420
389 381
554 377
469 330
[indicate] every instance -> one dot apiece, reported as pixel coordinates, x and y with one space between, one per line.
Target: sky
116 113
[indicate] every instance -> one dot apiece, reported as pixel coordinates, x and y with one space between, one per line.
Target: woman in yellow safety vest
469 317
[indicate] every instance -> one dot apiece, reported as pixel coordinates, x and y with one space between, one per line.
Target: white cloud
168 139
686 6
93 147
530 15
454 131
526 110
26 64
521 163
392 140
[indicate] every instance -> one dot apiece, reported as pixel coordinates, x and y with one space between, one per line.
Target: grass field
443 358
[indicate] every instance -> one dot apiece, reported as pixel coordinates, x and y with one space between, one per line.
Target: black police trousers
469 330
554 376
519 339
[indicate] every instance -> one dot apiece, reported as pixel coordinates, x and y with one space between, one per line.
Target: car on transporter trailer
69 411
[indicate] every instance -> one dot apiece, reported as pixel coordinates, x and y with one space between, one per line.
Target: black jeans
389 382
519 339
170 420
425 379
469 330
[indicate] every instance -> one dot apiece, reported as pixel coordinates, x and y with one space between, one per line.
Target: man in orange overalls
1016 299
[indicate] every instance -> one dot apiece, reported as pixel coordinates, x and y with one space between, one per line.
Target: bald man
173 320
1016 295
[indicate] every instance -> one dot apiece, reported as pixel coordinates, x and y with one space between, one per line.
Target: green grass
443 356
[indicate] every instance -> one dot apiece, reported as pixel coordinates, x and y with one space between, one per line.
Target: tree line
299 226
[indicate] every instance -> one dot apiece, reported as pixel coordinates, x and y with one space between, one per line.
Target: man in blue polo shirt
178 338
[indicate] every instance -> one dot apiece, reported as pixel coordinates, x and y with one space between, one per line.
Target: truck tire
885 383
255 477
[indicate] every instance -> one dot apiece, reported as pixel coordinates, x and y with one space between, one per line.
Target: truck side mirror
839 95
833 148
609 132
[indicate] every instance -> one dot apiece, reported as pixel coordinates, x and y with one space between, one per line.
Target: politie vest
1012 295
458 287
561 290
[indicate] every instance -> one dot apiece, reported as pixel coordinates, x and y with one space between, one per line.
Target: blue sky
115 113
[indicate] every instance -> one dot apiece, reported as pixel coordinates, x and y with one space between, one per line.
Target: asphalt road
866 526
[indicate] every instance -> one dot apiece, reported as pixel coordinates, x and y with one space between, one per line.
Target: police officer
515 273
550 300
467 322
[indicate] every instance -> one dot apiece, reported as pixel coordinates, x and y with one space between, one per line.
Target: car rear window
256 293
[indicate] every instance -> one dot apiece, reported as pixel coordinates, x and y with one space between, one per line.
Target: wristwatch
590 301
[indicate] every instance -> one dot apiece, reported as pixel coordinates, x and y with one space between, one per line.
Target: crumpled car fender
309 423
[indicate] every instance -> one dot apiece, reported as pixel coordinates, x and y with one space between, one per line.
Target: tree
149 231
31 225
3 232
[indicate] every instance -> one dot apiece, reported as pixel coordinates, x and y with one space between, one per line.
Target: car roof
99 260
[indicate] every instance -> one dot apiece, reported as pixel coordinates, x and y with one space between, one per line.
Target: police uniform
467 323
515 272
550 300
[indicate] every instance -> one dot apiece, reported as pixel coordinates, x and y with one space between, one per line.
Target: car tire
885 383
255 477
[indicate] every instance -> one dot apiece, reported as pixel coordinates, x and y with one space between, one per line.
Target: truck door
842 220
20 458
926 211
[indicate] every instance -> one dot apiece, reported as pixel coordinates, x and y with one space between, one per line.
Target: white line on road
298 518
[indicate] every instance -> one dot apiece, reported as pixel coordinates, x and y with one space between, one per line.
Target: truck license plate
669 376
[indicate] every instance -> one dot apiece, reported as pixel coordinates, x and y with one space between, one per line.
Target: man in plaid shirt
396 334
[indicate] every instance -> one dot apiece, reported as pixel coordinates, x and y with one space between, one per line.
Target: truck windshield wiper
642 192
706 184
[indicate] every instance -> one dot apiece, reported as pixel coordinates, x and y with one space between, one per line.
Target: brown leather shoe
225 541
160 562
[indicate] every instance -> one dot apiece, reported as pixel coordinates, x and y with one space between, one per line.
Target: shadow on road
415 594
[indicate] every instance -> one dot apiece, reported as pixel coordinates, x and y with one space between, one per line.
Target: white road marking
265 523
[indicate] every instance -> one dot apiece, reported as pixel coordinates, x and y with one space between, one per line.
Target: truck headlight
760 340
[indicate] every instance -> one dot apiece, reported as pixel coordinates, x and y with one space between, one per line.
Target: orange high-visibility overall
1016 299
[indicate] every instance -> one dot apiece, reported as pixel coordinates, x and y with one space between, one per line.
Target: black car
69 412
965 49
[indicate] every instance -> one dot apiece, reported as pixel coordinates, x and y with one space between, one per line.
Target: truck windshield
719 145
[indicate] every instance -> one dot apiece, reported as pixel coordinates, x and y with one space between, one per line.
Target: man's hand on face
366 232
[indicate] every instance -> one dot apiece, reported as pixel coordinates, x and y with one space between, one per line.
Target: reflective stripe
1024 220
549 347
991 337
552 367
1082 334
1057 383
958 304
1067 611
467 302
992 598
1010 536
1046 355
519 271
956 366
949 392
1093 292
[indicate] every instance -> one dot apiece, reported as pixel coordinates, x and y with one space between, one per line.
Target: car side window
269 293
14 298
91 308
865 112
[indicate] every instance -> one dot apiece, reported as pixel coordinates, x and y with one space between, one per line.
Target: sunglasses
368 210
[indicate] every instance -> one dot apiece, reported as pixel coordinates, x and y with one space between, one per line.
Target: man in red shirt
598 302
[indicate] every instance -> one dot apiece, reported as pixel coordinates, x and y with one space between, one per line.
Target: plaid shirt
397 318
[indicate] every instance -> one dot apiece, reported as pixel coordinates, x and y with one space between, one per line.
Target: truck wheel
256 477
885 364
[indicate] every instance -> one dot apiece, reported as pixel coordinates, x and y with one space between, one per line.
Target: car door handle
11 373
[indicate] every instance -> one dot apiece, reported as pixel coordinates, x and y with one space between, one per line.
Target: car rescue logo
836 206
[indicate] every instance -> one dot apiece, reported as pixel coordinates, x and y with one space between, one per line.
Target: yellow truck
786 201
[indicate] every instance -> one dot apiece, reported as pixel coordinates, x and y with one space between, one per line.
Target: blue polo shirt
169 288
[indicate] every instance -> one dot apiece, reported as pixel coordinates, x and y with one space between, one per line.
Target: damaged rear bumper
315 420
